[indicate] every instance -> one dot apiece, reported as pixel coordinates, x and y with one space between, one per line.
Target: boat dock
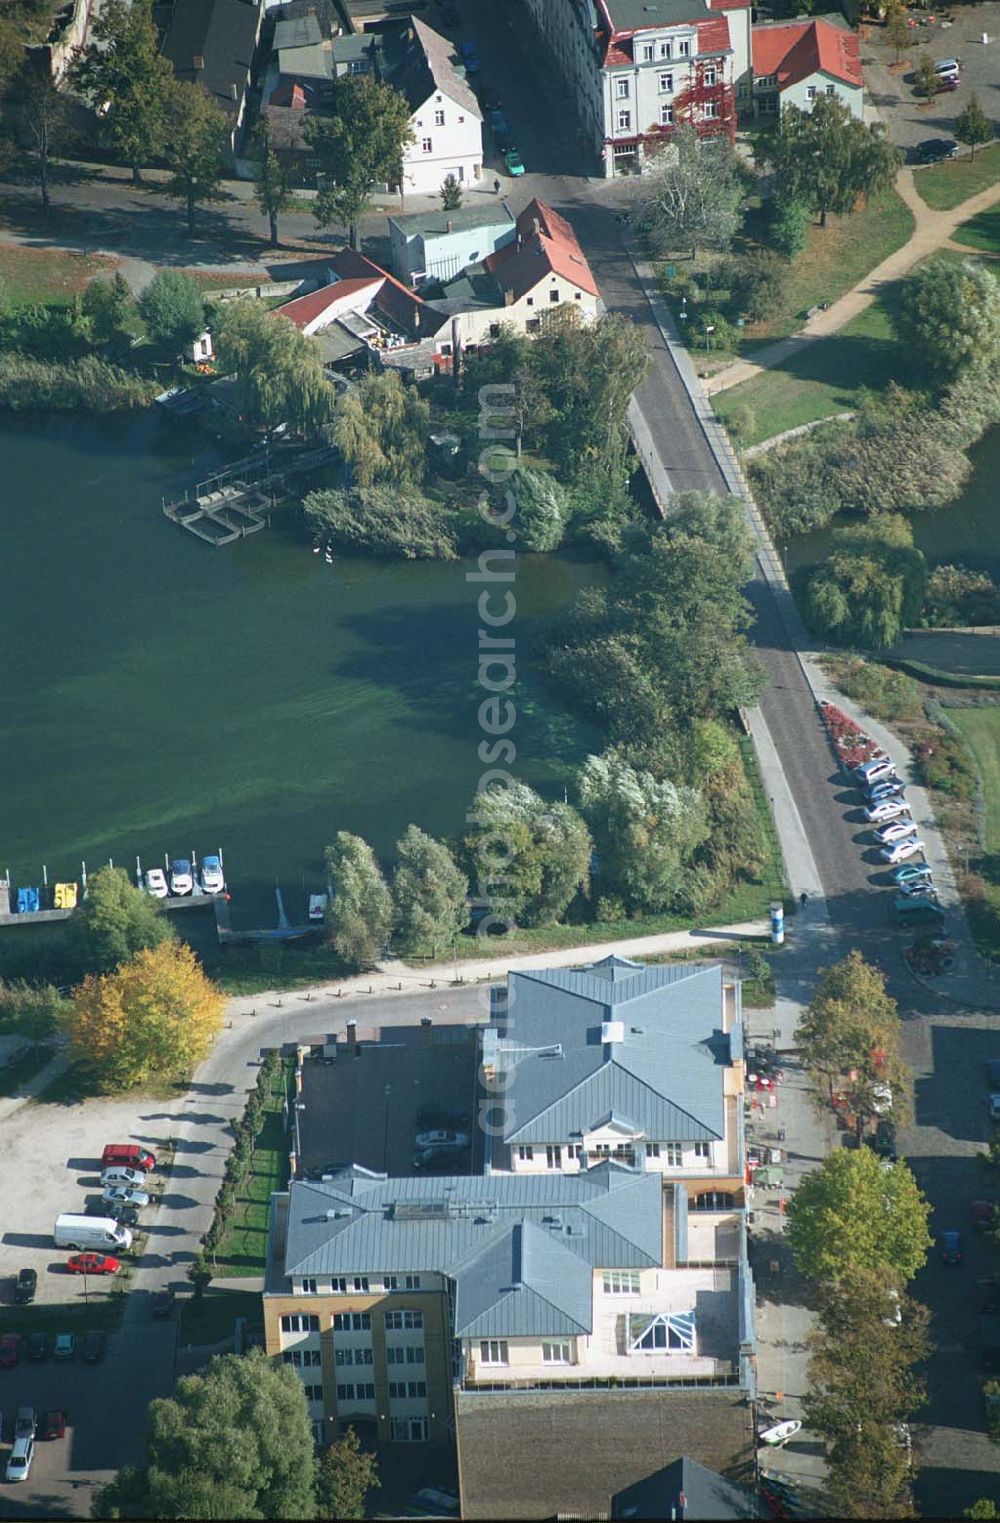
235 502
283 931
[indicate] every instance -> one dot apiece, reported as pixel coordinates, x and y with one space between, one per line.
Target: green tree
127 79
541 511
757 283
972 126
872 586
588 372
694 194
196 134
381 521
926 76
852 1025
645 831
828 159
273 190
381 429
200 1274
870 1474
360 910
108 305
430 892
359 147
115 921
232 1442
853 1212
42 114
279 369
344 1477
530 856
947 315
787 223
173 309
898 33
451 194
983 1508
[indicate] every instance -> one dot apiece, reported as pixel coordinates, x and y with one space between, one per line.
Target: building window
397 1390
339 1285
666 116
317 1433
530 301
652 1150
647 52
624 121
670 1332
361 1282
575 1149
415 1389
553 1153
345 1393
343 1356
408 1430
439 118
555 1353
714 1200
412 1282
766 81
308 1287
314 1393
703 1150
533 324
299 1322
666 84
495 333
666 50
554 296
684 48
621 89
621 1282
577 295
390 1282
525 1154
394 1356
426 145
831 89
709 77
404 1319
672 1154
352 1322
711 111
810 92
415 1353
493 1351
302 1358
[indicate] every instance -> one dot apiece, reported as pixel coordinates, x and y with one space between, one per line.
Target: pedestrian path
932 232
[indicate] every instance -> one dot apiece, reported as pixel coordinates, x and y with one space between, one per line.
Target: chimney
233 91
352 1039
536 228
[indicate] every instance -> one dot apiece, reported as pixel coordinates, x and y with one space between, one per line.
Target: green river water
160 695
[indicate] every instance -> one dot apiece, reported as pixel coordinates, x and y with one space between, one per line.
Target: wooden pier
236 501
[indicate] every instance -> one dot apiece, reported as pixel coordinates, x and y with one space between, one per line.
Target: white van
99 1232
21 1456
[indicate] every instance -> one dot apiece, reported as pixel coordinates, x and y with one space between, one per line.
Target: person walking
496 187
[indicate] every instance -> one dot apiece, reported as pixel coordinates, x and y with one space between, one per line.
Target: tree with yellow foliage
154 1017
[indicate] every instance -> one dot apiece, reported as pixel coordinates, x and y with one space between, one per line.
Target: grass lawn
244 1246
947 185
980 728
213 1318
822 378
982 232
28 276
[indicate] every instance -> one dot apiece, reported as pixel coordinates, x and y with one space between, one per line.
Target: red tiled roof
305 309
729 5
357 276
288 92
713 36
801 48
552 250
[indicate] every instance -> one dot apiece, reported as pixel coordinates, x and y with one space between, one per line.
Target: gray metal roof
300 32
689 1490
565 1077
546 1232
432 223
315 62
418 62
643 15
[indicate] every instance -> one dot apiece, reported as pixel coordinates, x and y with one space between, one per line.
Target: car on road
440 1160
469 57
886 809
64 1346
38 1347
163 1303
950 1243
10 1350
935 150
981 1215
896 830
27 1285
898 851
92 1263
912 872
53 1424
126 1195
441 1139
514 162
995 1107
93 1346
21 1456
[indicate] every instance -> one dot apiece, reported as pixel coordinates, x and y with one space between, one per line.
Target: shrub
885 693
381 521
757 283
956 596
173 309
87 384
786 228
943 763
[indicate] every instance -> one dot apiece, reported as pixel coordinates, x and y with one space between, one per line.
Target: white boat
317 906
773 1438
155 882
181 877
213 879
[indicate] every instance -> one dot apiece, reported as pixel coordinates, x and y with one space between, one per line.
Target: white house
796 62
637 70
438 244
445 119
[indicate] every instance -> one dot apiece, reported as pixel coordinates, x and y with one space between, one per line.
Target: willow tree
278 369
381 429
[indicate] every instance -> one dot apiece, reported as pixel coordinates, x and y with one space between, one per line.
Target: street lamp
387 1091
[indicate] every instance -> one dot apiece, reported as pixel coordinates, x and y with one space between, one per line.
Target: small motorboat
773 1438
213 879
317 906
181 877
155 882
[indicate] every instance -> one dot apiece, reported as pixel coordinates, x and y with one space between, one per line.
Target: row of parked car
895 830
27 1428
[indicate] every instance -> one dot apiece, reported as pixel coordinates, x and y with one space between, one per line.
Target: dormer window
666 50
646 52
684 48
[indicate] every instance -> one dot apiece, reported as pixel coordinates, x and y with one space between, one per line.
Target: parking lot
908 116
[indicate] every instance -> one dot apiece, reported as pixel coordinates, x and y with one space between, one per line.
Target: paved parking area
908 117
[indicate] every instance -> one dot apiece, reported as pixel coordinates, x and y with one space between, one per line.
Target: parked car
27 1284
38 1347
10 1350
886 809
993 1071
163 1303
883 1141
93 1263
500 128
947 68
127 1155
898 851
877 770
951 1246
921 888
126 1195
93 1346
24 1422
912 872
440 1160
64 1346
21 1456
895 831
889 788
118 1174
946 83
441 1138
53 1425
995 1107
122 1212
514 162
469 56
981 1214
935 150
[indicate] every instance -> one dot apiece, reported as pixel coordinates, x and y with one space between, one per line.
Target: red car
981 1214
10 1350
53 1425
92 1263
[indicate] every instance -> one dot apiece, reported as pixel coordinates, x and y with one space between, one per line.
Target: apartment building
635 70
445 122
640 1065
